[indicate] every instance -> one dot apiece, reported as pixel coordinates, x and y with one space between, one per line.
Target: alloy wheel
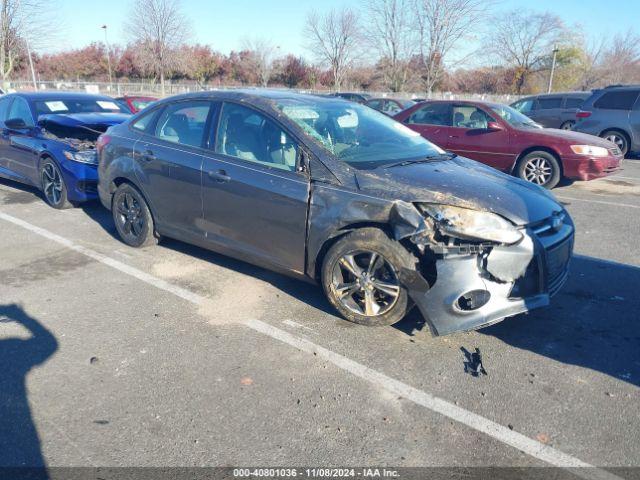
365 283
130 215
538 170
567 125
52 184
617 139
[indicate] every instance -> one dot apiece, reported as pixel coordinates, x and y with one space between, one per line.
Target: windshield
514 117
356 134
77 105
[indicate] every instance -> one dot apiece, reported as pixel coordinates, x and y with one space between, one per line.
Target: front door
170 161
469 136
17 145
431 121
254 198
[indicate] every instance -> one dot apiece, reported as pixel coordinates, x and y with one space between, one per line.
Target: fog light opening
473 300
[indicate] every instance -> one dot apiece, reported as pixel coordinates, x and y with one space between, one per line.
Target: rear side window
431 114
621 100
549 102
184 123
573 102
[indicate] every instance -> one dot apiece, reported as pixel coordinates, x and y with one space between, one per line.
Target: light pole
33 72
106 41
553 68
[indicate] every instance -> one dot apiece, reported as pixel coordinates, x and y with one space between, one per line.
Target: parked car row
322 189
612 113
503 138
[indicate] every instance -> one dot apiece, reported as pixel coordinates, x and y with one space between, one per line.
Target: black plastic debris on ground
473 362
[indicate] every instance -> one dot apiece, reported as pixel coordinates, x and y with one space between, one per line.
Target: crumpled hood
571 137
464 183
100 121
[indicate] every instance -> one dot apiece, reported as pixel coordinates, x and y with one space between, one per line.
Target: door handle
454 136
148 156
220 176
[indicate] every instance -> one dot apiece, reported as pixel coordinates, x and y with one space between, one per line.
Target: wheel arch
121 179
316 268
538 148
619 130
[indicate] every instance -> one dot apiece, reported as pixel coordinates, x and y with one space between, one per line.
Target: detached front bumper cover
474 290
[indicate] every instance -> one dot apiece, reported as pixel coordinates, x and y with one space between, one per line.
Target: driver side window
20 109
248 135
467 116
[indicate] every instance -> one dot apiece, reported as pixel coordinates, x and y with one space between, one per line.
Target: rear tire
619 138
360 277
132 217
540 168
53 186
568 125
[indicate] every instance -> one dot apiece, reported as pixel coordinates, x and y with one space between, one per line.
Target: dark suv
613 113
555 110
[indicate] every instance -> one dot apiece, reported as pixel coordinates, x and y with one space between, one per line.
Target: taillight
582 114
103 141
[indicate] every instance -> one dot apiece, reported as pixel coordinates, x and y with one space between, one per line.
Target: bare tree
263 53
389 31
334 39
621 60
442 25
159 27
524 40
590 64
21 26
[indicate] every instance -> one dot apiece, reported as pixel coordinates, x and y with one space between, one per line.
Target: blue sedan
48 140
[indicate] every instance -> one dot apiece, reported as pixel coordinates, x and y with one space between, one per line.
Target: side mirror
15 124
494 126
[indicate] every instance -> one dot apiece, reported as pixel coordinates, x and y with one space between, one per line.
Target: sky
223 24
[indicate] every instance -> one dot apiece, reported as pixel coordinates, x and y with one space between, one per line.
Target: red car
504 138
135 103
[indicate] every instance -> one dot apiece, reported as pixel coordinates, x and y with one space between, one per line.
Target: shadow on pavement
592 323
19 441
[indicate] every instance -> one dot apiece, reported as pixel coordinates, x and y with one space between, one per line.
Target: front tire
53 186
360 277
541 168
619 138
132 217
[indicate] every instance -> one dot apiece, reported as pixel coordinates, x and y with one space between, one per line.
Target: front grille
557 264
554 240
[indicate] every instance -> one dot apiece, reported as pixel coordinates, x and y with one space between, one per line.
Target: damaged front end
478 268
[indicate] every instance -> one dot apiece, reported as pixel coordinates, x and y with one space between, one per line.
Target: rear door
5 102
170 161
255 197
431 121
615 107
470 137
549 111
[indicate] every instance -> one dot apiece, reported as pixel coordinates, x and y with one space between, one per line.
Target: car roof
59 95
266 95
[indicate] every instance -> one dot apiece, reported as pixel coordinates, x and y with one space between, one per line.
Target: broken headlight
470 224
83 156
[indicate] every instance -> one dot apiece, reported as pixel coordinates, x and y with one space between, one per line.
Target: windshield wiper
430 158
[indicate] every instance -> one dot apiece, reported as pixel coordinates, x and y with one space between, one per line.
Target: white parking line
477 422
587 200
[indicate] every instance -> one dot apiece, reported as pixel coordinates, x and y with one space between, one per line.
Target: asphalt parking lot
176 356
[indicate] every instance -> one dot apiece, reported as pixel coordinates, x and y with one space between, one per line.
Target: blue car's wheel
53 186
